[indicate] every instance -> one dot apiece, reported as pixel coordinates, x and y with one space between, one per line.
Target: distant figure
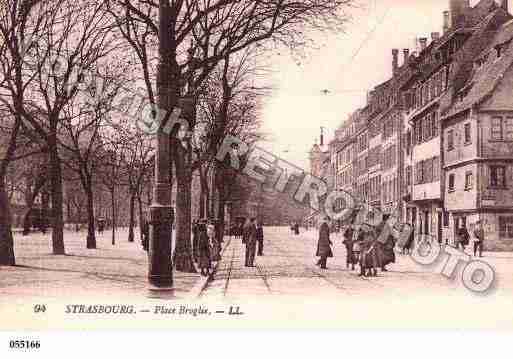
463 238
324 244
215 244
204 249
369 261
349 244
250 243
260 238
101 226
409 243
296 229
145 230
244 233
478 238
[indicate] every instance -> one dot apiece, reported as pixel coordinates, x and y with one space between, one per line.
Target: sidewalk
109 271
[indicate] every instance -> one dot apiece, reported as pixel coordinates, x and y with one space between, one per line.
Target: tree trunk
91 231
220 209
113 203
139 203
6 239
57 196
27 223
183 250
204 195
131 224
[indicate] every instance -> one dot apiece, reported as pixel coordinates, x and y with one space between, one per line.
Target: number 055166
24 344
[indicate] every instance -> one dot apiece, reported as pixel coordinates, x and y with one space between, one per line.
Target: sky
348 65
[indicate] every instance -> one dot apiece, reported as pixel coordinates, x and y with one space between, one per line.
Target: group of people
294 227
253 236
464 237
362 246
206 245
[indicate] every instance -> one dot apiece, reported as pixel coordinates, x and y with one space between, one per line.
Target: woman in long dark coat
203 249
324 244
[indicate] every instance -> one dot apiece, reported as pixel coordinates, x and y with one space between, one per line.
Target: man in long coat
324 244
260 238
204 249
251 243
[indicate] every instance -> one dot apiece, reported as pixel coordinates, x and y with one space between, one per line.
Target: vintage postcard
320 164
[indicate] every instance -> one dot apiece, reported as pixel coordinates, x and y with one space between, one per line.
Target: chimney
435 36
406 53
447 22
395 60
505 5
423 43
458 9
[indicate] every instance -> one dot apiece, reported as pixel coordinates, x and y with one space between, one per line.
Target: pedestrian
324 244
407 246
478 238
214 242
145 231
204 248
369 261
260 238
296 229
463 238
101 226
251 243
245 229
349 244
385 251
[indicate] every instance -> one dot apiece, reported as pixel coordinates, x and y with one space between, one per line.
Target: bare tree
215 28
50 45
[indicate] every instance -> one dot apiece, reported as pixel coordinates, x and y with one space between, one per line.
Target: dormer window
498 48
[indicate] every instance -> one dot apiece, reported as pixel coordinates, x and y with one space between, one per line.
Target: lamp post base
161 229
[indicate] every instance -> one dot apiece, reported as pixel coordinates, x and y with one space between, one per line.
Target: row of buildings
435 141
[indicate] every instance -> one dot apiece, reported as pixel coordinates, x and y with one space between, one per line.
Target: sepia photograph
255 164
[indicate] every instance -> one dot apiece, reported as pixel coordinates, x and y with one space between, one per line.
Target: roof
483 80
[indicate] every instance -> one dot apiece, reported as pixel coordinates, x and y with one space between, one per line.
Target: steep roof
484 79
462 69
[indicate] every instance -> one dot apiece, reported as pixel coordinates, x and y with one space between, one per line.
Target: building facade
434 143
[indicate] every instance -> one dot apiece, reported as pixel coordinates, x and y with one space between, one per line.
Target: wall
461 198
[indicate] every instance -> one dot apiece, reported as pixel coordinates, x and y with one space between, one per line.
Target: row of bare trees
65 64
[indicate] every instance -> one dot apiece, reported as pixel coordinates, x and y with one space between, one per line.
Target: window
436 169
506 227
497 176
408 175
434 124
450 140
445 218
427 171
468 138
508 129
469 181
419 131
451 182
496 128
427 127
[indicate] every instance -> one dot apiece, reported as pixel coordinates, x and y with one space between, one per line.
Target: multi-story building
437 144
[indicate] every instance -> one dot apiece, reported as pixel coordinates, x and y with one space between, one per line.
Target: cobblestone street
288 267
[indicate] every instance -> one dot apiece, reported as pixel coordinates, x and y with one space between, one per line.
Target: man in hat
251 243
204 248
324 244
479 238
